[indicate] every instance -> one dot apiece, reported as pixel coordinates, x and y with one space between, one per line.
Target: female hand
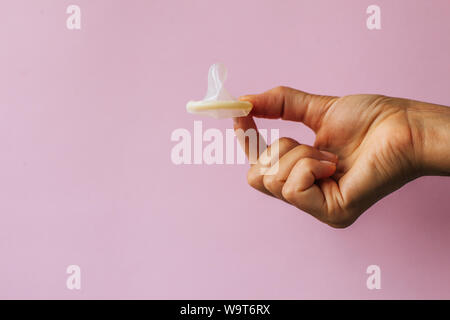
371 145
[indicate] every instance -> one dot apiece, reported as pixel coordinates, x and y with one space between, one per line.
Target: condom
218 103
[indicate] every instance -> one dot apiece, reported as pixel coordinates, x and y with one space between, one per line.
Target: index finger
251 141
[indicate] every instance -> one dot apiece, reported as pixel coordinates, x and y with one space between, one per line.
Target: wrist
430 129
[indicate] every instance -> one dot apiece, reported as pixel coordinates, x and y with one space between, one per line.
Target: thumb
290 104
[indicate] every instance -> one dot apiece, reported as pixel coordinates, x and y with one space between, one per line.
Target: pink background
85 170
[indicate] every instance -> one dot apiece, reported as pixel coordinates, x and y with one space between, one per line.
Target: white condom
218 103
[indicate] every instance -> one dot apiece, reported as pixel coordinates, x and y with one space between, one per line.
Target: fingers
276 176
275 151
301 191
249 138
301 177
290 104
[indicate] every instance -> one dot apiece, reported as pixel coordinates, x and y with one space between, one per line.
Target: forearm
430 127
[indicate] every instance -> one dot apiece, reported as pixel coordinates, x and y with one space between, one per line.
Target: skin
366 147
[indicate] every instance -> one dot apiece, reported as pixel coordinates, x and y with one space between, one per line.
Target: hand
366 147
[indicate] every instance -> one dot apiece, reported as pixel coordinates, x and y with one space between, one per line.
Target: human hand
373 145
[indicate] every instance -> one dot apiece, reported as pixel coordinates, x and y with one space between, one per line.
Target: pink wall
85 171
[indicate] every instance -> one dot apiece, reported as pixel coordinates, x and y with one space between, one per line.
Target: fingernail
328 162
328 155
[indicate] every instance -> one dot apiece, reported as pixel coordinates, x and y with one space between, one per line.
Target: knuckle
288 192
306 163
339 225
339 222
281 90
253 179
270 182
304 150
285 142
